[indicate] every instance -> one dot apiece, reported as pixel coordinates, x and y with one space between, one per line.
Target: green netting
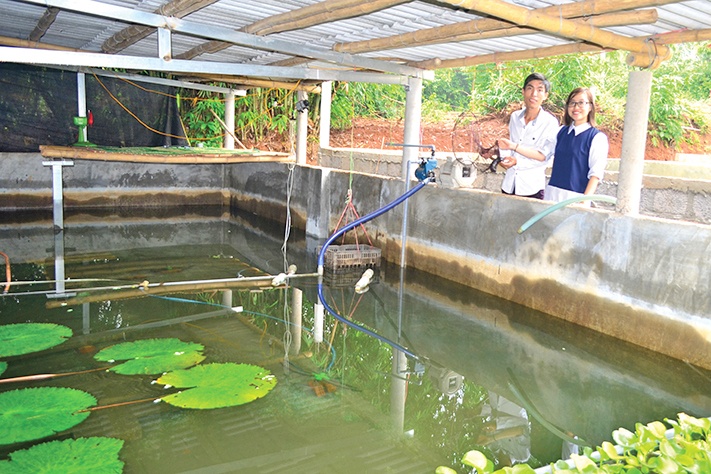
38 105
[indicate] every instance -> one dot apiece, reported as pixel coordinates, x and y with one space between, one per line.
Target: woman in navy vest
580 151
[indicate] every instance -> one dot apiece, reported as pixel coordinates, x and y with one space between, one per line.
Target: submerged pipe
340 232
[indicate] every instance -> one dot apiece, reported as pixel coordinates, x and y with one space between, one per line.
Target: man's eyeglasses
572 105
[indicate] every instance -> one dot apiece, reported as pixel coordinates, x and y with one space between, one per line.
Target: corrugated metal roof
72 28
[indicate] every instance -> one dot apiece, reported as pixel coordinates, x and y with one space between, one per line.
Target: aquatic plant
97 455
33 413
152 356
24 338
652 448
218 385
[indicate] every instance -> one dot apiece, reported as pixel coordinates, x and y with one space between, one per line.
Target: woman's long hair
567 119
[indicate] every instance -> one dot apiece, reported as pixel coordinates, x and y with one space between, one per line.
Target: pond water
489 374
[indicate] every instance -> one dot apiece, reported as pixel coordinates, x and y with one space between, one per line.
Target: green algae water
489 374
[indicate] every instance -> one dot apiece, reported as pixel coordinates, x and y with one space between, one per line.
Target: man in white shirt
532 137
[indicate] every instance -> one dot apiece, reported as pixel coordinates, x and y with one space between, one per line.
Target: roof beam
250 83
617 19
468 30
91 7
134 33
687 36
317 14
43 24
69 58
7 41
642 54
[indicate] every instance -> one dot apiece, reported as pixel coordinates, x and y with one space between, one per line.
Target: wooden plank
97 154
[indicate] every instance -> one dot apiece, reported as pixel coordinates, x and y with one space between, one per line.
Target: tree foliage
680 102
681 88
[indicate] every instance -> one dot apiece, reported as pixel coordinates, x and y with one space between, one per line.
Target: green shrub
647 450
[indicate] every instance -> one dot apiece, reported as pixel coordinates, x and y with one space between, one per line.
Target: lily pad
94 455
152 356
32 413
23 338
218 385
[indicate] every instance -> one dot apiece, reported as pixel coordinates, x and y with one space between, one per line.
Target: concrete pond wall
645 280
670 189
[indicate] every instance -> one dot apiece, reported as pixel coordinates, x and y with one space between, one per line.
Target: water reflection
489 374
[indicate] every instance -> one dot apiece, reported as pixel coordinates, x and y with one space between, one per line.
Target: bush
652 448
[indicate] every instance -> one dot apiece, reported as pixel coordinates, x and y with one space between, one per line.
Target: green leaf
445 470
624 437
3 367
658 429
23 338
33 413
689 423
522 469
152 356
478 461
608 449
664 465
218 385
583 464
76 456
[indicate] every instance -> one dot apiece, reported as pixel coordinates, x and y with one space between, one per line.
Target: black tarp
38 106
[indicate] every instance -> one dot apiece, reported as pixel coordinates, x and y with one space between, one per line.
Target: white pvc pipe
302 128
230 120
81 104
634 140
324 130
413 118
318 323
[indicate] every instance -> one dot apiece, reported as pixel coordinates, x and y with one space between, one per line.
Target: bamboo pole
316 14
20 43
246 82
449 33
134 33
641 54
86 153
511 56
43 24
667 38
688 36
152 289
637 17
227 129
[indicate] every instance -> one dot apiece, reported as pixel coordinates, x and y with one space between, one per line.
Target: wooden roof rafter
469 30
319 13
43 24
134 33
688 36
641 54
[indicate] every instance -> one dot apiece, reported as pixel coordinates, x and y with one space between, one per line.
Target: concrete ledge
672 190
644 280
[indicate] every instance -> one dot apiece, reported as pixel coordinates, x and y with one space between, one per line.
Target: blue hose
371 216
338 233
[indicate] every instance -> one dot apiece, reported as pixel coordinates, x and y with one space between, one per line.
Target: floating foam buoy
363 284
